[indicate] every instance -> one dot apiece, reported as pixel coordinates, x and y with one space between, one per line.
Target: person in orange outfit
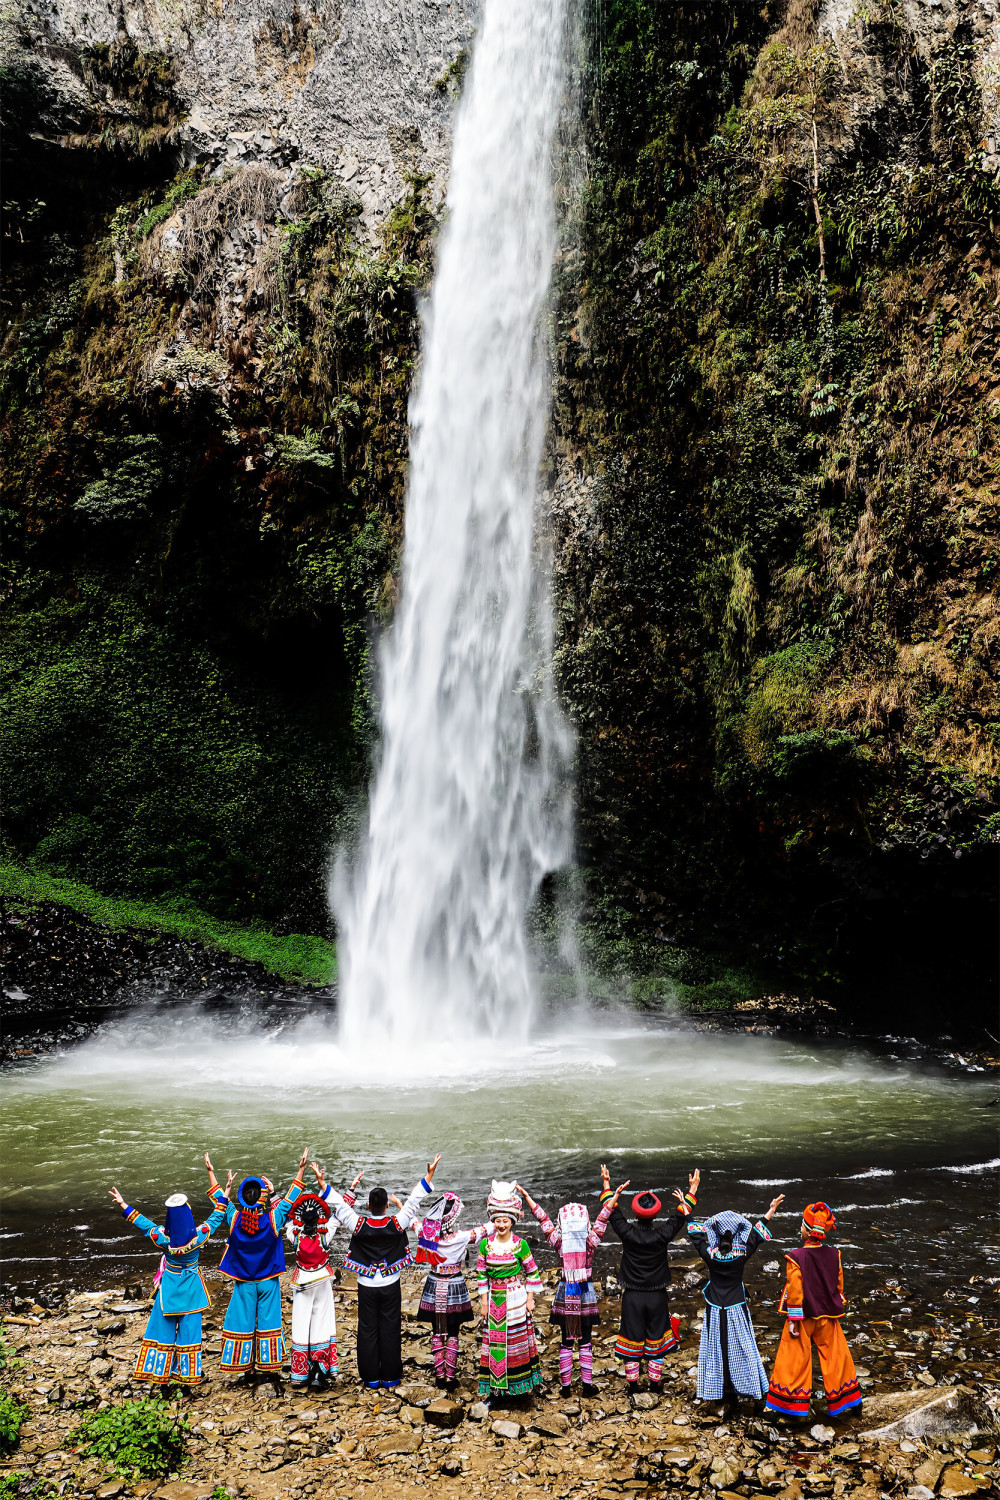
813 1302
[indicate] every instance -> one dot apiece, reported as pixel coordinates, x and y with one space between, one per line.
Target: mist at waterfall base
899 1146
470 802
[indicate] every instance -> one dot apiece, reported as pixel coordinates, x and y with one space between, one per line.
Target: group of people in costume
506 1282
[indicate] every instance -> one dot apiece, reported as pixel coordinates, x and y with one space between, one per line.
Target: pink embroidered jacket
577 1264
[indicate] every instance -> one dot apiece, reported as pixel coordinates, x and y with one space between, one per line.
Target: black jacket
725 1272
645 1255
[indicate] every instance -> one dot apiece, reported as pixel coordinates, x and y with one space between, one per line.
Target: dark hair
310 1217
251 1192
378 1200
726 1240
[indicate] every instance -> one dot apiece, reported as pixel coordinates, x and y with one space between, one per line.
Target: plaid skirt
445 1301
574 1308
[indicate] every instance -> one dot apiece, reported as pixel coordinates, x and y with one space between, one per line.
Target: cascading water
469 808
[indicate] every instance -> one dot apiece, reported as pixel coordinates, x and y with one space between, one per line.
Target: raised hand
230 1179
525 1195
303 1159
774 1204
213 1181
116 1195
432 1167
694 1179
319 1174
620 1188
356 1179
393 1199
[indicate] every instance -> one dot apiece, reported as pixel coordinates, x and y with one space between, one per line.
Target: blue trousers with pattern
251 1331
170 1349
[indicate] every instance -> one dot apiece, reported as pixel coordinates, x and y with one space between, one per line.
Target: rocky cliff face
773 475
357 88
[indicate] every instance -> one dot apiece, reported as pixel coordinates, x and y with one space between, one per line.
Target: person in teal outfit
252 1339
171 1345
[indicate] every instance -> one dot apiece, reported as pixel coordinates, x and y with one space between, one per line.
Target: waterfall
469 807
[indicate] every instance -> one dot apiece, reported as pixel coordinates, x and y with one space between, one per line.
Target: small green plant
10 1484
142 1439
12 1414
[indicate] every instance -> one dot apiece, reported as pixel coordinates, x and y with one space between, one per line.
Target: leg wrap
632 1371
587 1363
451 1357
437 1349
566 1364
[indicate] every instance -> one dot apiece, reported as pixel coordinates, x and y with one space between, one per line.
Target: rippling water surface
887 1140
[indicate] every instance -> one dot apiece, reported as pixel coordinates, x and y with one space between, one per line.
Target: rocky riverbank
928 1425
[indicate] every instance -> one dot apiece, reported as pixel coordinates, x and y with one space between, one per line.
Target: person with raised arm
729 1363
314 1315
813 1304
171 1345
253 1341
445 1302
507 1280
646 1331
574 1307
378 1251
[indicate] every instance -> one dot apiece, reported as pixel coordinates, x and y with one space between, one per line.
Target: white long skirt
314 1329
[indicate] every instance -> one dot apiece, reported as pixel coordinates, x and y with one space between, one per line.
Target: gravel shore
940 1368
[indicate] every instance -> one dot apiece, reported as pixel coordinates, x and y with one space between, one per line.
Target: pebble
506 1429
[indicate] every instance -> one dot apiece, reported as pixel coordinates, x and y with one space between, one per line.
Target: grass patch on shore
300 956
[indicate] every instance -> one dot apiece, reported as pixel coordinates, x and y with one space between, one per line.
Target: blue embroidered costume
171 1345
252 1336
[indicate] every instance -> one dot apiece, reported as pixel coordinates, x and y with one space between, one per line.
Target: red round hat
646 1205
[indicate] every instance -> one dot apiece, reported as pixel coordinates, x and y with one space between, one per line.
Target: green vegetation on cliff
296 955
781 357
200 523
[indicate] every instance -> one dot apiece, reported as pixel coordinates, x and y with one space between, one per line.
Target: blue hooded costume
252 1336
171 1344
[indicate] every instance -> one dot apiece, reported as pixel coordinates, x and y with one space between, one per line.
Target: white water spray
470 805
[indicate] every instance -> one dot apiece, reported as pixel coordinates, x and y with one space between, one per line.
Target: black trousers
380 1335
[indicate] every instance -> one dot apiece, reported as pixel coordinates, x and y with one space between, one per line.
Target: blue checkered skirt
728 1342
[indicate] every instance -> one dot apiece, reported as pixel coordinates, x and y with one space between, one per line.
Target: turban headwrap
819 1220
728 1223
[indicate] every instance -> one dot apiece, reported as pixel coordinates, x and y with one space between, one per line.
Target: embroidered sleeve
759 1235
284 1206
482 1279
408 1212
345 1214
479 1232
532 1279
792 1296
600 1224
698 1235
549 1230
154 1232
205 1231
